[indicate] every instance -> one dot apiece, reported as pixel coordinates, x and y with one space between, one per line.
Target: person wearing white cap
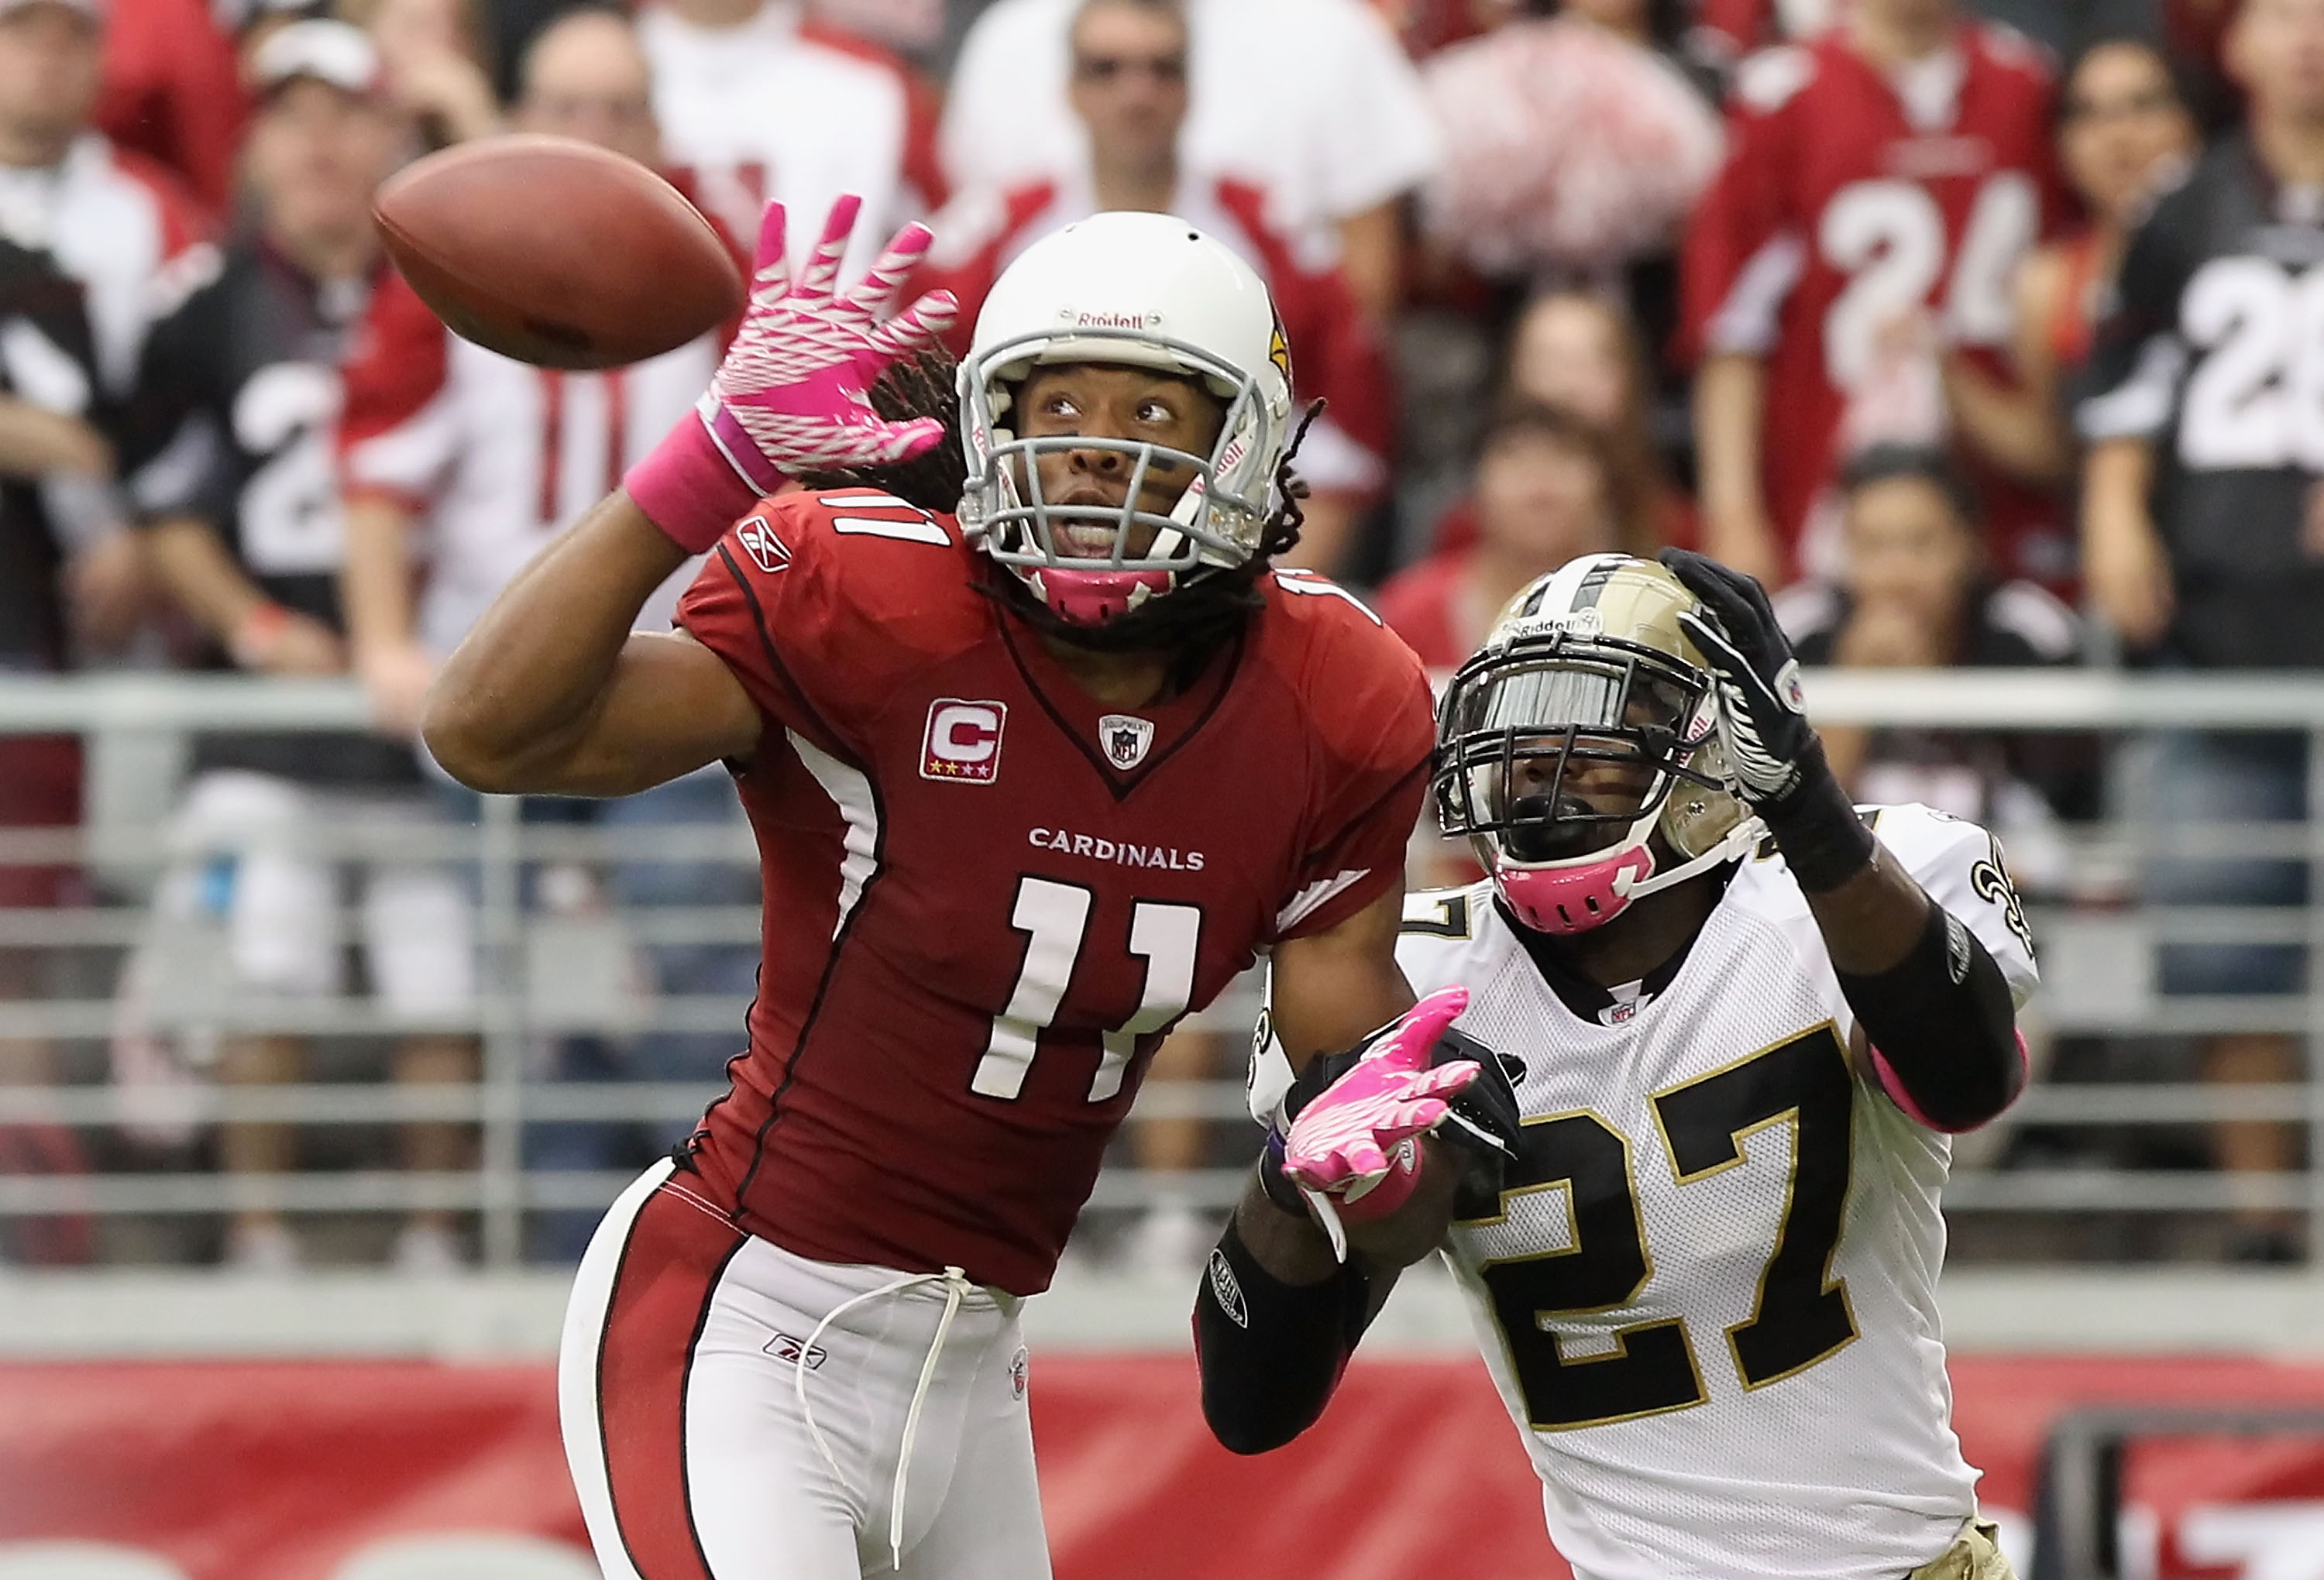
230 470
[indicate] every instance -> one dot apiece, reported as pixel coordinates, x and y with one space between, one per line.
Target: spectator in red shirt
172 91
1881 187
1128 87
1546 491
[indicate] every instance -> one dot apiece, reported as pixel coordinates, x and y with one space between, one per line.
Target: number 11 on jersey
1054 918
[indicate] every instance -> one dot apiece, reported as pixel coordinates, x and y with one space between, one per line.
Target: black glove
1484 1122
1778 762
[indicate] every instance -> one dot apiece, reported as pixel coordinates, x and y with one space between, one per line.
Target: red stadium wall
286 1471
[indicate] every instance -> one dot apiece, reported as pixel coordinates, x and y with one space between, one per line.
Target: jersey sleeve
2130 386
399 434
174 455
1962 868
772 602
1743 252
1375 730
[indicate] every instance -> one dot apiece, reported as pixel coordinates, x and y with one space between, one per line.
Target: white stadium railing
540 983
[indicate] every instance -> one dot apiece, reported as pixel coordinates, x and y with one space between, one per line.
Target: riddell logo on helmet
962 742
1115 320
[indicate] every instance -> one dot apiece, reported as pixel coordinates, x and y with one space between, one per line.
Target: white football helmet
1146 291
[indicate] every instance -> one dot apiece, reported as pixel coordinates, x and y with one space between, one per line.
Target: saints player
1733 1019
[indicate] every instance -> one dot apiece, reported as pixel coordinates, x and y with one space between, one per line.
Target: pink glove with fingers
793 392
1357 1144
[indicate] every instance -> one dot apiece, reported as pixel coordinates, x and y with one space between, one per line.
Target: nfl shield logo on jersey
962 743
1017 1374
765 550
1125 739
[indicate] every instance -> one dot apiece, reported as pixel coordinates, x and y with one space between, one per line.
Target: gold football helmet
1583 727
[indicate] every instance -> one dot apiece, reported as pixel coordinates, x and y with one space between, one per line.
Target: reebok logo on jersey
962 742
785 1348
1226 1290
759 541
1125 739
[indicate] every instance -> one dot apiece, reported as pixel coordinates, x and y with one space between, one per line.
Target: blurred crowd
1817 286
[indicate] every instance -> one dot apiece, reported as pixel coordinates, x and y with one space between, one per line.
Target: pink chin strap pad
1563 900
1089 598
690 487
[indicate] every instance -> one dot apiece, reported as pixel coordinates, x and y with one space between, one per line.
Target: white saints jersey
1709 1296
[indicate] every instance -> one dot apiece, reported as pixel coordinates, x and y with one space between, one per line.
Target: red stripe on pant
676 1254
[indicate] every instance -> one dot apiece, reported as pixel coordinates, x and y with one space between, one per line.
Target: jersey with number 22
988 895
1708 1295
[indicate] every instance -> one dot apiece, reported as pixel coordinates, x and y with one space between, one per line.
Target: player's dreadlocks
934 478
1209 609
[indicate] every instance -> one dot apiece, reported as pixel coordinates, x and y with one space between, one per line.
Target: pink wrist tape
1395 1188
688 488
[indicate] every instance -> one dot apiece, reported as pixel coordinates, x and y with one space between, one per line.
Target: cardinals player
1701 1256
1849 277
1030 780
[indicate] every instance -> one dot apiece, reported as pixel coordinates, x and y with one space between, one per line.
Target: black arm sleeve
1942 1026
1271 1352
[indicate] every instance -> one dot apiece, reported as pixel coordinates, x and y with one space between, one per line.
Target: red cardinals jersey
989 896
1851 203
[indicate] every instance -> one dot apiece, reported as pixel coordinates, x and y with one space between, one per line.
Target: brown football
556 252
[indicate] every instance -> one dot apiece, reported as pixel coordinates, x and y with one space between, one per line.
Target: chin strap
1733 845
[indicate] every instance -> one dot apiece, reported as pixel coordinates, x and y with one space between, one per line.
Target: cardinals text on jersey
988 896
1708 1296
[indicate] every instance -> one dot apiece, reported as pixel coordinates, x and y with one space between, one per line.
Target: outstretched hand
1342 1142
793 394
1762 713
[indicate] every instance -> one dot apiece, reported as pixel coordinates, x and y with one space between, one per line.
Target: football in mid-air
556 252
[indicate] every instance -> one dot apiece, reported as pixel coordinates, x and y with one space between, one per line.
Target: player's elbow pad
1270 1353
1943 1028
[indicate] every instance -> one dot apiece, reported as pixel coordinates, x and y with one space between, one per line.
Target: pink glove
791 395
1356 1142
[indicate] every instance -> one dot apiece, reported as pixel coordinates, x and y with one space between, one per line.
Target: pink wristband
1395 1188
688 488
